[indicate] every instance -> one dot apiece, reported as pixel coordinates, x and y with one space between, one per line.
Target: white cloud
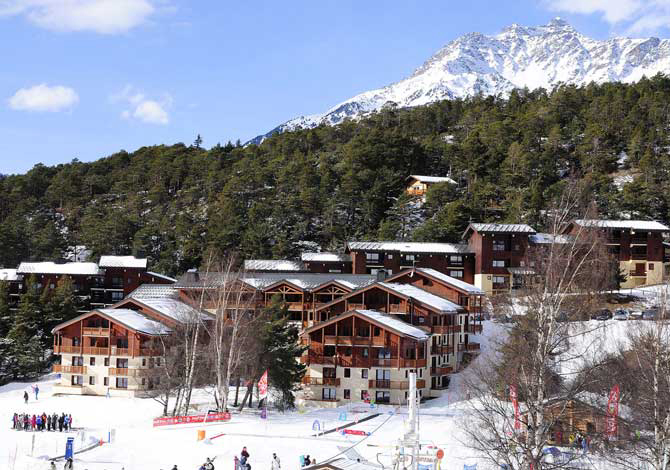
141 108
44 98
635 16
100 16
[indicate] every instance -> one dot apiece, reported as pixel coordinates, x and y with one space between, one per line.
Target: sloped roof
123 262
8 275
499 228
49 267
309 281
432 179
135 321
389 321
438 303
325 257
467 287
161 276
642 225
173 308
155 291
273 265
410 247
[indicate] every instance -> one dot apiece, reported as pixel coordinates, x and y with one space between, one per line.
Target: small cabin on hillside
417 185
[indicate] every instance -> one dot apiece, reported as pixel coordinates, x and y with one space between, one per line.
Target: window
383 353
458 274
117 282
77 361
383 397
498 245
77 380
372 257
365 396
364 373
158 362
91 380
328 394
365 352
499 279
347 394
105 381
117 296
410 258
122 363
498 263
106 362
347 373
144 362
455 259
121 382
329 372
347 352
383 374
389 256
651 266
144 381
91 361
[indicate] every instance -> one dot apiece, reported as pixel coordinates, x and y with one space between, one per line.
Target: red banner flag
612 413
515 402
263 386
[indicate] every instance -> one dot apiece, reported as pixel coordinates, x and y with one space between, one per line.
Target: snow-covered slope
537 56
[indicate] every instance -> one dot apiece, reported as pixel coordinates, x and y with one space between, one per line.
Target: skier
244 456
36 389
60 423
68 465
52 466
275 464
25 397
174 468
66 422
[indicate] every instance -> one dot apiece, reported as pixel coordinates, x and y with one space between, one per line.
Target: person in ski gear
36 389
208 464
275 464
244 456
68 465
25 396
52 466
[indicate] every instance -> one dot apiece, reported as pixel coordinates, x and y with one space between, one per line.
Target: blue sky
86 78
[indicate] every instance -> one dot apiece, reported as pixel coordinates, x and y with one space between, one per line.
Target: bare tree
565 272
644 361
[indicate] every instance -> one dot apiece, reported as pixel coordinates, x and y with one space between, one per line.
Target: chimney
192 276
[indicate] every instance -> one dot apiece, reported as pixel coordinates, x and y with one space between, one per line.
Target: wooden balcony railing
94 351
446 329
441 370
397 308
354 340
67 349
330 381
394 384
125 372
94 331
61 369
439 349
356 306
475 329
317 359
473 346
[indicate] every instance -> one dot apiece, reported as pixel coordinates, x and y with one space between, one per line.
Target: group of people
68 465
43 422
306 461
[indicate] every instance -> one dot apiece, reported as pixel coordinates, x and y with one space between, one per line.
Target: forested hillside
330 184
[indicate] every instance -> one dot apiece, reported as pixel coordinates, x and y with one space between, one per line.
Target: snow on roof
161 276
8 275
549 238
135 321
425 297
325 257
273 265
501 228
309 281
644 225
452 280
600 402
154 291
173 308
432 179
394 324
48 267
410 247
123 262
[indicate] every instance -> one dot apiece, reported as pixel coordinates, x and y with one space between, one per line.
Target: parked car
649 315
635 315
602 315
620 314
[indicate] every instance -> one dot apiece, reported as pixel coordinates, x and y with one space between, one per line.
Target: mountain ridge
518 57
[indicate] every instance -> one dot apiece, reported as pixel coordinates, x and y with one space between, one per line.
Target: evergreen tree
26 336
281 349
5 312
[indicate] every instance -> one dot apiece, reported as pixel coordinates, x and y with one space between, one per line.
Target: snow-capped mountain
537 56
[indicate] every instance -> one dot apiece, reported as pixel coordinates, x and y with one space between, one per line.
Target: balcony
439 349
356 306
395 362
475 329
397 308
67 349
328 381
318 359
61 369
94 351
446 329
394 384
94 331
441 370
125 372
354 340
296 306
473 347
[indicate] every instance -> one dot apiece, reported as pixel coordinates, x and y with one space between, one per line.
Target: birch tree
565 274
